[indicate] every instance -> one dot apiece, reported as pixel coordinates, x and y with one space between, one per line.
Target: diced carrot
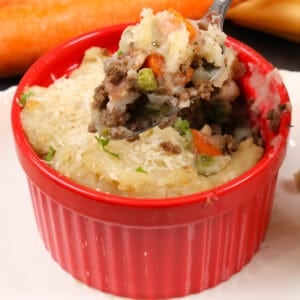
184 77
201 145
191 29
189 74
156 63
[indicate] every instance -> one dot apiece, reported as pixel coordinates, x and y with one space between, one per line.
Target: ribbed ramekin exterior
153 262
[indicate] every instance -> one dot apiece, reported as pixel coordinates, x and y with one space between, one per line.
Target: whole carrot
30 28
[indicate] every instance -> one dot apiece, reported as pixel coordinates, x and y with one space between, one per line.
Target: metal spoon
216 13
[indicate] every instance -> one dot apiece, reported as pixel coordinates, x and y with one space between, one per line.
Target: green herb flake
141 170
105 132
120 52
24 97
50 154
182 126
104 141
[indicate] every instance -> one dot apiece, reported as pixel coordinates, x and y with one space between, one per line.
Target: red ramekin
143 248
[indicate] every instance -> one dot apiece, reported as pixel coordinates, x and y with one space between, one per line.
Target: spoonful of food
163 65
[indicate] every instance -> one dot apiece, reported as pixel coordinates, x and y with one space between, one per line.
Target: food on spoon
197 150
164 64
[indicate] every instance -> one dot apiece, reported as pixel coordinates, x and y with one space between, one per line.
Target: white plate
28 272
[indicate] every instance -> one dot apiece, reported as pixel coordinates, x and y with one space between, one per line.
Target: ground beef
165 86
100 98
238 69
274 116
170 147
92 128
230 145
204 89
116 71
114 118
123 133
257 138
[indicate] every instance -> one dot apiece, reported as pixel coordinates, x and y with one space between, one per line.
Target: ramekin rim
99 196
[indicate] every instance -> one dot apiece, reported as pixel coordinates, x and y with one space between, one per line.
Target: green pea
204 164
146 80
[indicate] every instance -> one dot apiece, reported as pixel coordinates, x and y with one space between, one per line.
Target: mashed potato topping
160 163
57 116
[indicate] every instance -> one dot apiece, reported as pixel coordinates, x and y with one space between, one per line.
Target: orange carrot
30 28
156 63
182 78
202 146
191 29
188 75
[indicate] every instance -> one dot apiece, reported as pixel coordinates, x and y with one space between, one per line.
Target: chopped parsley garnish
120 52
105 132
141 170
50 154
183 127
104 141
24 97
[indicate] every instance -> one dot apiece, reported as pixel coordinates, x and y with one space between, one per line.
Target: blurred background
30 28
